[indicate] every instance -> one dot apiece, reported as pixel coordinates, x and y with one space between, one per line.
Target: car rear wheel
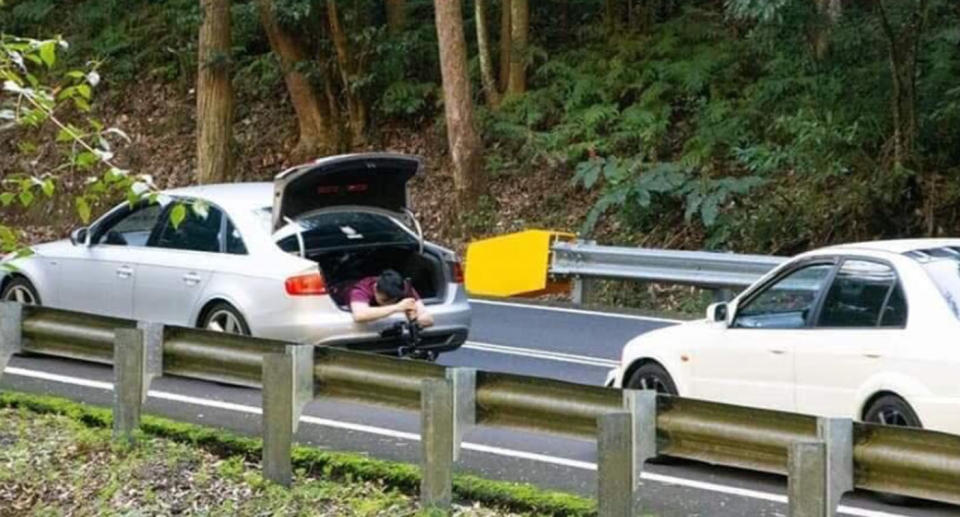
652 376
20 290
892 410
223 317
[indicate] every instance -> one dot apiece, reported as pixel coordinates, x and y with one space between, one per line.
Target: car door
99 278
859 323
751 362
177 264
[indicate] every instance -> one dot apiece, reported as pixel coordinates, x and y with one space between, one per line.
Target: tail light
306 285
457 269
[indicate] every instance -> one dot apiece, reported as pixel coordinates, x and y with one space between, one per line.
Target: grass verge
316 464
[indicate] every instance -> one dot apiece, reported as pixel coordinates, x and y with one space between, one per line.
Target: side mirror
78 236
717 312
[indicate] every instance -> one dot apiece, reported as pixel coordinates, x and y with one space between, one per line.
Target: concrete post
837 433
464 404
287 379
153 354
642 406
437 438
615 469
11 321
583 291
807 480
129 365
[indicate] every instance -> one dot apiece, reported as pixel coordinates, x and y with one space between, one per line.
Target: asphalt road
567 344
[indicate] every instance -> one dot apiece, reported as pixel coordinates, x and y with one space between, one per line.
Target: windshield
342 229
943 267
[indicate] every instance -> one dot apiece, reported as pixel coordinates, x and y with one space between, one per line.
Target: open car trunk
352 244
342 268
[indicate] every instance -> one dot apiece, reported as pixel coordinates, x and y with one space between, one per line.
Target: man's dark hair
391 284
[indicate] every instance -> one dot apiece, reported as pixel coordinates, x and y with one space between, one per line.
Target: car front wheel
652 376
223 317
20 290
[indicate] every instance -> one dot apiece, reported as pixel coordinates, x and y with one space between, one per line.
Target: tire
894 411
223 317
652 375
20 290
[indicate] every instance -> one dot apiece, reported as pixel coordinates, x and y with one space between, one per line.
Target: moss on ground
370 486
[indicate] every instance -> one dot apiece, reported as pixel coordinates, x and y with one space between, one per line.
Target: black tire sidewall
652 370
896 402
223 306
19 281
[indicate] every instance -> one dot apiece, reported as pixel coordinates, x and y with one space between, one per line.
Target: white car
266 259
868 331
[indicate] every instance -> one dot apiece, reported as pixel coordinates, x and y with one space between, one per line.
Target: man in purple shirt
373 298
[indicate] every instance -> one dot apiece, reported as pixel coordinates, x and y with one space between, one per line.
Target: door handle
873 355
778 352
124 271
191 279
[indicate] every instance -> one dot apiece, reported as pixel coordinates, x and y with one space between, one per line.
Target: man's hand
406 305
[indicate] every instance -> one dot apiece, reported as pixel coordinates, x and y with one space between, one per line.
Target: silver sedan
269 260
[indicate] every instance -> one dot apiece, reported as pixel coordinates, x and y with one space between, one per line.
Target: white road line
541 354
575 311
380 431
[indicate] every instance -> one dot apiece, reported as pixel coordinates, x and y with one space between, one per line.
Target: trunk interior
342 267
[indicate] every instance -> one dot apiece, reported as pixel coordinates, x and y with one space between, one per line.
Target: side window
857 296
787 304
195 233
235 243
133 229
895 311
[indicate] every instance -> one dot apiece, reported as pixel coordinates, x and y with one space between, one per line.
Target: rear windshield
943 267
346 229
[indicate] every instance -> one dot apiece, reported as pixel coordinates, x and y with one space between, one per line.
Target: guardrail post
153 354
583 290
642 406
437 437
11 336
837 433
287 379
615 468
129 365
722 295
464 382
807 480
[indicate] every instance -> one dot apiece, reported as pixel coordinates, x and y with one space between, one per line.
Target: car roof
898 246
249 195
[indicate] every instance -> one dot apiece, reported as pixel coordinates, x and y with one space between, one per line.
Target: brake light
306 285
457 269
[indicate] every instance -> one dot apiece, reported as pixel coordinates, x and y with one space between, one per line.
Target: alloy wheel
20 294
224 321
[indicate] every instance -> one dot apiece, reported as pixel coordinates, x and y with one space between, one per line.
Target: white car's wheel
222 317
20 290
652 376
892 410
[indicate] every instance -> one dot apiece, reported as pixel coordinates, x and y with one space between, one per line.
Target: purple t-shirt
364 292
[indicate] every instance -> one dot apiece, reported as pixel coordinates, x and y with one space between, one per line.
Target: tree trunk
214 94
465 144
356 108
318 135
519 34
505 40
829 13
396 16
483 48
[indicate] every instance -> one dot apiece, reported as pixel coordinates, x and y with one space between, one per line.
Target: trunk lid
370 179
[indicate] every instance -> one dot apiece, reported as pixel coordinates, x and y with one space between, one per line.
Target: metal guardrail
822 457
586 261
